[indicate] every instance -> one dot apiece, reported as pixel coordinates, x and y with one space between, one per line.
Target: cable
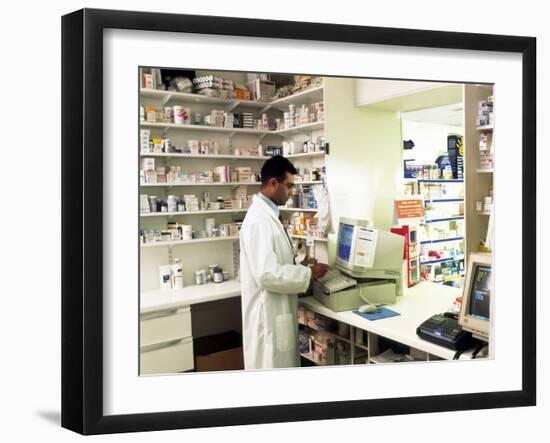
478 348
458 354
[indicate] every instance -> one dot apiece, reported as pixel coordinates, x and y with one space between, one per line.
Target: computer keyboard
334 281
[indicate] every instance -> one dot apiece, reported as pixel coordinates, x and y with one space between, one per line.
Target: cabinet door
175 357
165 326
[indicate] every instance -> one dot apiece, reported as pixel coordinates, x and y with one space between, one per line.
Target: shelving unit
479 179
221 250
442 231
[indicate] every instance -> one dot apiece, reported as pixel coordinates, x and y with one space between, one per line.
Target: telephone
334 281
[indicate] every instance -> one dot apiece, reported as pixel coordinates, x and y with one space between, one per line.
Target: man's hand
308 261
318 270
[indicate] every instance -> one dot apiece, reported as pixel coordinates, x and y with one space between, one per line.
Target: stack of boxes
212 86
485 112
486 151
244 174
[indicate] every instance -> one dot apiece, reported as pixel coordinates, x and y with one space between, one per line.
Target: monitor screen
344 241
480 293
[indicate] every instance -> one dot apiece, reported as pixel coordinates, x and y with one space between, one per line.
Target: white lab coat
269 284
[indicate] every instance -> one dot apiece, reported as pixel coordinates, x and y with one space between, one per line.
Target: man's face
283 189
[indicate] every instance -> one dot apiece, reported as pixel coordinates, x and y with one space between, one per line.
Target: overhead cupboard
203 138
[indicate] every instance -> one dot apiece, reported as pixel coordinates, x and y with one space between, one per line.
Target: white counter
164 299
416 305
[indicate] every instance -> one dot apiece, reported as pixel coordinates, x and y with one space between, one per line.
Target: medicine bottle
456 305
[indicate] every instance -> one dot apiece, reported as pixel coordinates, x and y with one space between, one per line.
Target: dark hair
277 167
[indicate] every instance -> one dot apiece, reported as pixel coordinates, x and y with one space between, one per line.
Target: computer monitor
365 252
475 312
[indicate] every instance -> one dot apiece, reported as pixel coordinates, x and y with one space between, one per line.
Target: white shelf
205 156
485 127
211 211
306 154
311 95
484 213
160 185
306 97
284 208
163 299
198 98
204 128
318 182
159 244
488 171
319 239
302 128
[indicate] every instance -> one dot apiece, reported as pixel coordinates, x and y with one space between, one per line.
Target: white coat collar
257 200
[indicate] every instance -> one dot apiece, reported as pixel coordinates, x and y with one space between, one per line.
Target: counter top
416 305
164 299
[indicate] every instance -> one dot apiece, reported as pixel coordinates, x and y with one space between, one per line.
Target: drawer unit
169 358
165 326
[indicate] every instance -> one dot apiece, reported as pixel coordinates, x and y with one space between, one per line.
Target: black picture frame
82 190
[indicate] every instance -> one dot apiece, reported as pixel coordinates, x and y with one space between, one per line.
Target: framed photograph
269 221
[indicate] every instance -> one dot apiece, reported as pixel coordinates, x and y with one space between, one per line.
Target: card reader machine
444 331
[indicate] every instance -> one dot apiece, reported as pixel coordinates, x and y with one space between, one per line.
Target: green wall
364 165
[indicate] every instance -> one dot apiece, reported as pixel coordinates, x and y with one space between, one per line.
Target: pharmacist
270 281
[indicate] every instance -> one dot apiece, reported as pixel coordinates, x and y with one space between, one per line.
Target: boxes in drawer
166 326
175 357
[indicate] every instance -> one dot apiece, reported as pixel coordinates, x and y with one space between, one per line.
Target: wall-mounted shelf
167 96
437 220
320 239
431 262
485 127
427 180
160 185
444 240
284 208
205 156
443 200
306 97
187 242
166 126
485 171
171 214
302 128
307 154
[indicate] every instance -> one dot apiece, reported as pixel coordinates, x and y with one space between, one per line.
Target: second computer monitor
475 314
363 251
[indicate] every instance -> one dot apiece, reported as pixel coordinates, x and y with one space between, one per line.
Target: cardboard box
229 360
220 352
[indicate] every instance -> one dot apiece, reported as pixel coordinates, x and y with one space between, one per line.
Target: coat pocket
284 327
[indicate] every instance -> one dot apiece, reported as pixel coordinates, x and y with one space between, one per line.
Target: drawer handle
161 345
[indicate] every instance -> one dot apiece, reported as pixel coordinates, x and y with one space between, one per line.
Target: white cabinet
174 357
166 342
161 327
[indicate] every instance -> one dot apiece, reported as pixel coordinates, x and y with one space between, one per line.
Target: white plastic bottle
177 274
